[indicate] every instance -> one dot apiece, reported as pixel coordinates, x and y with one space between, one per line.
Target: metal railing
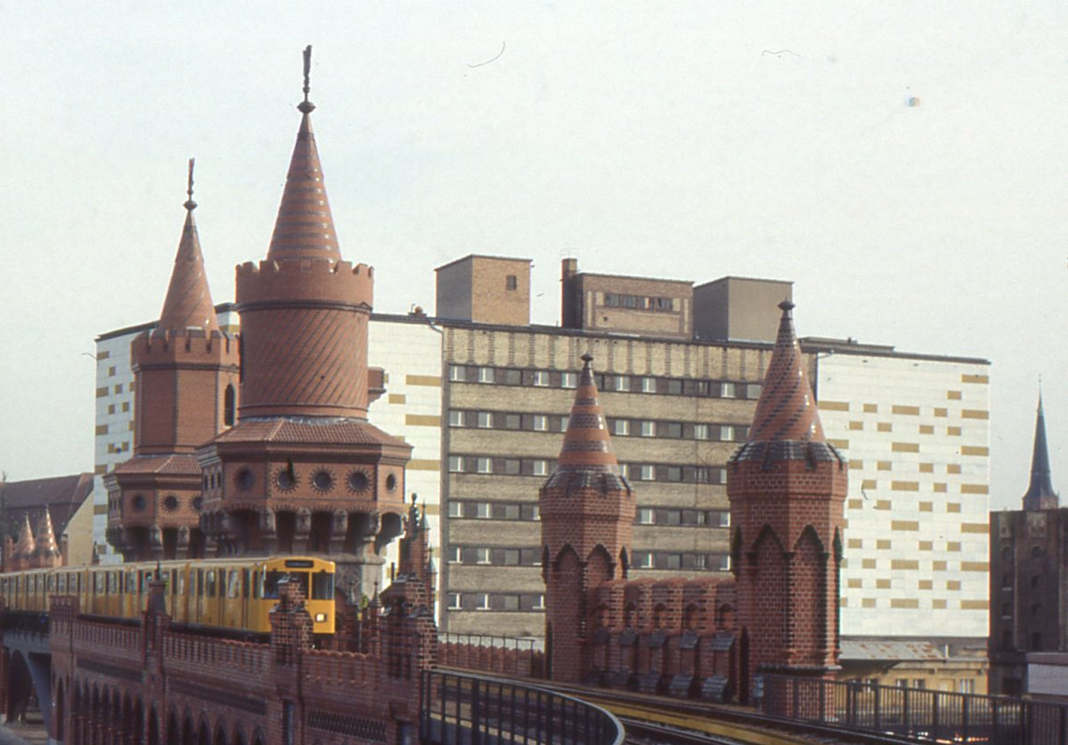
465 709
916 714
520 643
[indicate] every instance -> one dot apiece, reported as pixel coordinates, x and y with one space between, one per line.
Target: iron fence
465 709
520 643
916 714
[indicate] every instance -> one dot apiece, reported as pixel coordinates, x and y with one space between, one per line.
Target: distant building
69 509
1028 586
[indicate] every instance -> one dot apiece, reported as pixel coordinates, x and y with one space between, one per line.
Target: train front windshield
322 584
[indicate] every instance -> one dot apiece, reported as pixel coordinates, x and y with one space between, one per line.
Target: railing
520 643
500 655
916 714
465 709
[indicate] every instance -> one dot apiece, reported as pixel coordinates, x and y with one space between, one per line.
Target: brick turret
185 389
787 489
587 516
46 553
303 471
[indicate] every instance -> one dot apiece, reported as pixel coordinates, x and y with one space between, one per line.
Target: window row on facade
704 387
496 601
466 509
663 472
494 556
618 427
697 561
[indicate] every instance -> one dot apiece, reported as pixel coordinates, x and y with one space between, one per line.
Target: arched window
229 406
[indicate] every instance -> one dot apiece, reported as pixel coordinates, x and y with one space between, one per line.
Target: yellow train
232 594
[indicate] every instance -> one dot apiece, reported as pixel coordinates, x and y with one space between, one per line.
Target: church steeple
188 302
1040 494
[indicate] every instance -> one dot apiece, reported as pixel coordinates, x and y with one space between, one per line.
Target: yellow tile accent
965 378
868 484
125 405
926 429
904 603
834 405
905 485
855 543
883 465
856 425
840 444
871 408
868 602
926 506
974 528
905 447
927 468
855 504
867 564
953 431
904 525
974 450
882 504
111 408
975 566
843 602
926 584
926 545
396 398
974 414
939 487
882 584
953 395
908 410
103 355
854 583
974 605
420 464
130 425
885 427
938 603
938 566
101 469
118 388
858 464
953 468
974 489
953 546
952 506
100 509
953 584
431 380
940 411
422 420
101 429
101 392
904 564
882 544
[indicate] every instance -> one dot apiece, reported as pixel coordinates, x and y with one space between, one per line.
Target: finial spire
189 203
307 106
1040 493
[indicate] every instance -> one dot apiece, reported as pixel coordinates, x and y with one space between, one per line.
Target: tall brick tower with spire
303 471
1040 494
787 489
185 387
587 517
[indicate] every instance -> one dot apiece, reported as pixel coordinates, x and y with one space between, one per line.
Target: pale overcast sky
903 164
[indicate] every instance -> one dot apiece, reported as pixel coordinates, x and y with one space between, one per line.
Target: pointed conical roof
47 547
586 457
786 410
25 546
304 228
1040 494
188 303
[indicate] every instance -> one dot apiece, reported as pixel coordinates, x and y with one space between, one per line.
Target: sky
902 163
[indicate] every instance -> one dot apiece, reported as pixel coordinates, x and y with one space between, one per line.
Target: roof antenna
189 203
307 106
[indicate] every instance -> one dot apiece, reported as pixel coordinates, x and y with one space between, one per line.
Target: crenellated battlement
305 281
191 346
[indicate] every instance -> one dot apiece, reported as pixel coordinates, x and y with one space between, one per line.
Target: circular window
198 503
170 503
286 478
391 482
358 482
323 480
138 502
244 479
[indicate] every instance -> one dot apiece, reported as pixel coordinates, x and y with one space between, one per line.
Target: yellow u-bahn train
235 594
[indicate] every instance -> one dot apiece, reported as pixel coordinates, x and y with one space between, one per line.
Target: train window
51 583
270 584
232 588
257 588
179 585
210 592
200 582
61 583
322 586
244 583
131 583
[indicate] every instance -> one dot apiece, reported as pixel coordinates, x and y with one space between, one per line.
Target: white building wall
917 435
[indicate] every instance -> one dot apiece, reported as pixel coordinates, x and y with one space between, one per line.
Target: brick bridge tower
303 471
587 518
185 387
787 488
